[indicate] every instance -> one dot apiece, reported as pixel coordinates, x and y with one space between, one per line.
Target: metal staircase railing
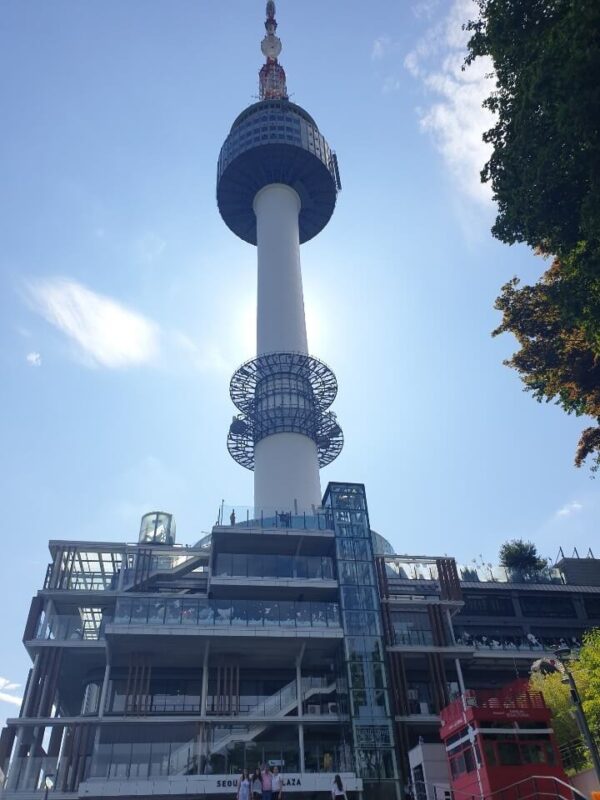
277 705
531 788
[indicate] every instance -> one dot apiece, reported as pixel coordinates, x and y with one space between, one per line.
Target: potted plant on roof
521 560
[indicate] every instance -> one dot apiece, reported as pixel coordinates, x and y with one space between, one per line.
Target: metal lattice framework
306 375
284 393
241 439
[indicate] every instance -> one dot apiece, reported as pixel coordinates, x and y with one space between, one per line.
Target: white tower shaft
280 323
286 466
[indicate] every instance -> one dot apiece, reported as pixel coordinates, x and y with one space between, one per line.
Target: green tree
545 175
520 556
557 698
588 675
586 671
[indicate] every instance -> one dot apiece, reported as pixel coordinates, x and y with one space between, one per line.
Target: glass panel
255 613
189 612
347 572
123 611
271 613
156 612
222 609
139 613
333 614
224 564
173 612
287 613
319 614
239 565
285 566
206 615
303 615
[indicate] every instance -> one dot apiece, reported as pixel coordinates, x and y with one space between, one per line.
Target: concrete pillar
104 691
281 326
301 745
14 769
286 471
204 681
299 688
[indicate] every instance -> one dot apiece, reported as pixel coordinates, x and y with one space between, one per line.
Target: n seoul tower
277 183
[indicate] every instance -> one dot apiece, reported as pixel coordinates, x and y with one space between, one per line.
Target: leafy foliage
586 671
520 555
545 176
556 695
589 672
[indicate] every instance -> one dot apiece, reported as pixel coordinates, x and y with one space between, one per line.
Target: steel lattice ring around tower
298 367
327 435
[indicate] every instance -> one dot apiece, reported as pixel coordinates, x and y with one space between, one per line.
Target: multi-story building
165 670
452 628
162 669
291 634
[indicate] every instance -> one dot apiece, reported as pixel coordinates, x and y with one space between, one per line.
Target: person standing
267 782
257 789
337 790
243 792
276 784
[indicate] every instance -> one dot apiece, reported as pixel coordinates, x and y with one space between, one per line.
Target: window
546 606
508 753
592 607
488 605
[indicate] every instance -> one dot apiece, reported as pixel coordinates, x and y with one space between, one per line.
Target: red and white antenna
271 78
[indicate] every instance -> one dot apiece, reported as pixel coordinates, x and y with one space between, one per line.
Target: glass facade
264 565
202 613
367 690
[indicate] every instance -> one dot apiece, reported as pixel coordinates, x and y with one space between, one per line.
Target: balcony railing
62 627
219 613
413 637
487 573
512 643
413 570
28 774
240 517
234 565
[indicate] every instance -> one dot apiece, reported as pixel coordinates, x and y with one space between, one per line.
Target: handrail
575 793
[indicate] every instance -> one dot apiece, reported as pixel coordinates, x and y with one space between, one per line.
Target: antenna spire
271 78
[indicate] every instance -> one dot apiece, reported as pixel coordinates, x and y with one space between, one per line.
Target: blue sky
127 304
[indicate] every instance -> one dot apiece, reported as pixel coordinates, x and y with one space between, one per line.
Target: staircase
277 705
149 567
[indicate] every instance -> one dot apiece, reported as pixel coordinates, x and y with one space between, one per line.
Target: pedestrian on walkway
277 784
267 782
257 789
243 792
337 790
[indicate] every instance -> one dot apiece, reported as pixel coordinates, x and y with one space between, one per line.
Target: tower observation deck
277 183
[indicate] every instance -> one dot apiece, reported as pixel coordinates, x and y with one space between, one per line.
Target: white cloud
570 508
384 46
7 686
391 84
454 117
379 48
425 9
107 333
34 359
149 247
205 357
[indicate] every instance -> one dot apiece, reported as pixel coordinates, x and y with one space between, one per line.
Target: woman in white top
277 784
243 792
337 790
